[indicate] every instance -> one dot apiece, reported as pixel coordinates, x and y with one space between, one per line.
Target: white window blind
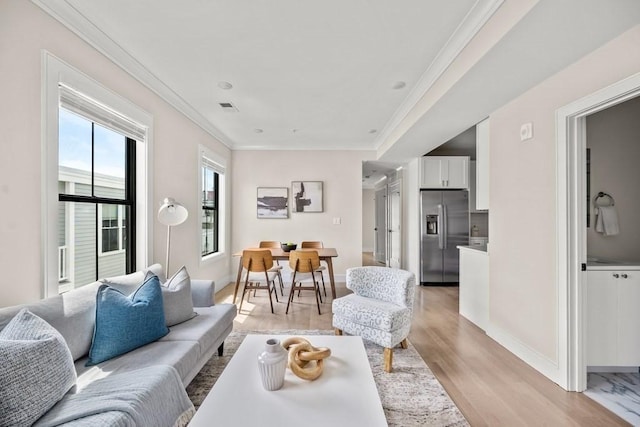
91 109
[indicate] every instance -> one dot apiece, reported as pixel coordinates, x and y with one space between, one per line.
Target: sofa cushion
36 370
207 329
124 323
128 283
181 355
370 312
176 297
72 314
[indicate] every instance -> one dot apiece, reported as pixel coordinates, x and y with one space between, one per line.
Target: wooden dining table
325 254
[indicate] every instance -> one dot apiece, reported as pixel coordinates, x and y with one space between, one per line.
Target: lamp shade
172 213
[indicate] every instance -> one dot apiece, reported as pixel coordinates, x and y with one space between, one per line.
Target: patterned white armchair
379 309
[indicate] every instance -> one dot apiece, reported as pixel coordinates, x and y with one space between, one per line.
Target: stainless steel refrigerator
444 224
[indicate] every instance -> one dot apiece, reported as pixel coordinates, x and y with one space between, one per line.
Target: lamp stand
166 265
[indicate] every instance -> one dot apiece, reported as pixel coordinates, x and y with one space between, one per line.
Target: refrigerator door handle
441 241
445 232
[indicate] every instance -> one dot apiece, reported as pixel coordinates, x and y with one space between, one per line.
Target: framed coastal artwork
306 196
273 202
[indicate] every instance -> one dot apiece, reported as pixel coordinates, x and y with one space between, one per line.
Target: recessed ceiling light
294 130
398 85
225 85
258 130
373 130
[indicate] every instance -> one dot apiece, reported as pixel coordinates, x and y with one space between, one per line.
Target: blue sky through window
74 149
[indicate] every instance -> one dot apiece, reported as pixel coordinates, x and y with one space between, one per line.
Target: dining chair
257 265
277 268
316 244
304 265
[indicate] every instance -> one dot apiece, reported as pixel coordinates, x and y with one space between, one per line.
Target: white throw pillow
176 295
36 370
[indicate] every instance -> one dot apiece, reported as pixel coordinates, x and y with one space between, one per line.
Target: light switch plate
337 221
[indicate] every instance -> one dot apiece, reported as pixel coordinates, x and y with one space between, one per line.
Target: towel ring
612 202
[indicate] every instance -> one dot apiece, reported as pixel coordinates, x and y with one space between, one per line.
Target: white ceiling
324 74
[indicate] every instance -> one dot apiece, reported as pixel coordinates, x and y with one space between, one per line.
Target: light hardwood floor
489 384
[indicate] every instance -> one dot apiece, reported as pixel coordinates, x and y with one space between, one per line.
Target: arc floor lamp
171 213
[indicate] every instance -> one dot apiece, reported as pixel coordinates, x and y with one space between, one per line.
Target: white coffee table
345 394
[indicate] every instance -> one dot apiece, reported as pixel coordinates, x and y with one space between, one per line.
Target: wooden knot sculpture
302 356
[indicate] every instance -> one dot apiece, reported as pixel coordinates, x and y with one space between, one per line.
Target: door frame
394 186
571 225
381 189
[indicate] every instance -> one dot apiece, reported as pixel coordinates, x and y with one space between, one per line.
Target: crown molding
477 17
75 21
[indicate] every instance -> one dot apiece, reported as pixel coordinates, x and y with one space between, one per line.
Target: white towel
607 220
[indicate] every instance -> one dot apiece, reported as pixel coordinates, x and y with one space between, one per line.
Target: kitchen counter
474 284
477 248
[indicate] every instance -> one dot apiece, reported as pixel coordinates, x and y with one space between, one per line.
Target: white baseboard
533 358
367 250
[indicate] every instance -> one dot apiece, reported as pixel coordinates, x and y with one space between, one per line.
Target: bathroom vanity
613 313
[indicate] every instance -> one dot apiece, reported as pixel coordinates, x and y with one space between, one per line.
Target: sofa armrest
202 292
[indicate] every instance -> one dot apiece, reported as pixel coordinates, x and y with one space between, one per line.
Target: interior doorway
380 240
395 223
572 226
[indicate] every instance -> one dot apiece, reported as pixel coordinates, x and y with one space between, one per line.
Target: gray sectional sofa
186 348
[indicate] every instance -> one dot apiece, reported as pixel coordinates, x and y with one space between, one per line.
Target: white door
395 217
380 241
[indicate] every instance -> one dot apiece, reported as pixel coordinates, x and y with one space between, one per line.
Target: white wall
24 31
523 290
368 219
341 172
613 135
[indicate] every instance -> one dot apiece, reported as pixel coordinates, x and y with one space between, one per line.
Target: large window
211 204
96 182
96 201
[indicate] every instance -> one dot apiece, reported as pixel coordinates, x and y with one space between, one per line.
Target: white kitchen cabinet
482 165
474 286
444 172
473 188
613 318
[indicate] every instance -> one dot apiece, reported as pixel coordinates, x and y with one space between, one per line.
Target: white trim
71 18
530 356
570 218
221 163
477 17
54 72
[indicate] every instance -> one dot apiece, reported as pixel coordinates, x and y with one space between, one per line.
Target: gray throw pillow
36 370
176 295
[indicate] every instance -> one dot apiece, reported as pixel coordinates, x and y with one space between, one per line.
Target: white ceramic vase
272 364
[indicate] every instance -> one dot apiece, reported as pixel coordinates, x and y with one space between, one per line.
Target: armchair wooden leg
404 344
388 359
338 331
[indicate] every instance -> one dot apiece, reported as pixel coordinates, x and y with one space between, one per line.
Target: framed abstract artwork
273 202
306 196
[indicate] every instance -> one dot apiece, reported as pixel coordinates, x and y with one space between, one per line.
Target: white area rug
411 395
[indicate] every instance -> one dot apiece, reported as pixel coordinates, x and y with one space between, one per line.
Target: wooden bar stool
257 265
304 265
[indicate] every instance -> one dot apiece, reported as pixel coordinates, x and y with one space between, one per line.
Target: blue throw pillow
124 323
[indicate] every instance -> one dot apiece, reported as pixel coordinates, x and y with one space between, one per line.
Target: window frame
218 164
56 73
